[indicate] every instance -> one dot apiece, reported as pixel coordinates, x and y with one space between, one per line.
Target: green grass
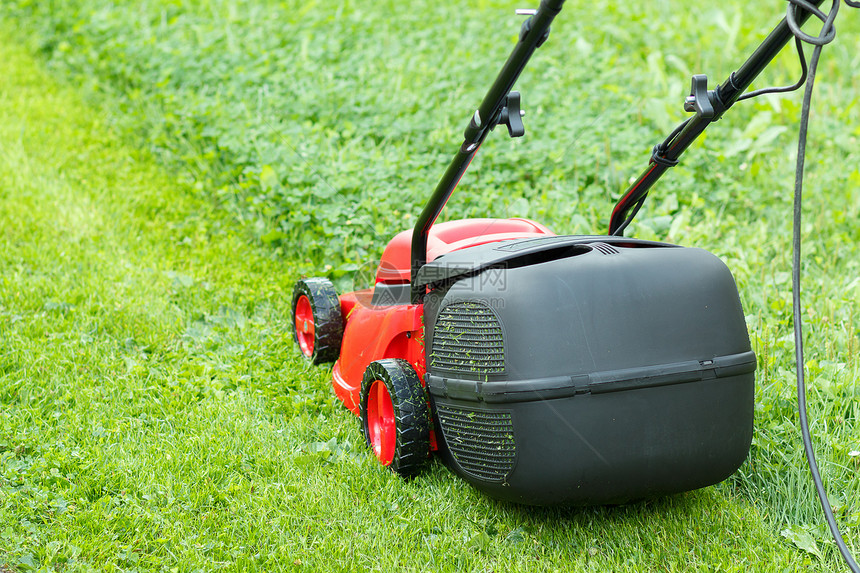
157 418
155 413
327 128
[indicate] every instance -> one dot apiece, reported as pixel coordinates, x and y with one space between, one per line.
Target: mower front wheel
395 416
317 320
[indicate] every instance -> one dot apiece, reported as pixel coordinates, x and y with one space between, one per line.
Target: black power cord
828 32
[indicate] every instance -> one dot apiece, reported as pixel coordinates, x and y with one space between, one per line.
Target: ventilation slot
481 442
468 338
604 248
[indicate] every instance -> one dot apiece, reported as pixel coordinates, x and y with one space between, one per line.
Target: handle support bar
534 33
709 105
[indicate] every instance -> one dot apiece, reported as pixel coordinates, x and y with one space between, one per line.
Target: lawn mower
548 369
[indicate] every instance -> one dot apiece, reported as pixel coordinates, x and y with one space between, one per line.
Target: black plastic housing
587 370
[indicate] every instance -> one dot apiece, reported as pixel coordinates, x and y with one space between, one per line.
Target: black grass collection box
587 370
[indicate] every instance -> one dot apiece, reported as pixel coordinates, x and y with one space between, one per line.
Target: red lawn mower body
544 369
373 332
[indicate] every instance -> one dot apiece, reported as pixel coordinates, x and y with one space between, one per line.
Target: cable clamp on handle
658 156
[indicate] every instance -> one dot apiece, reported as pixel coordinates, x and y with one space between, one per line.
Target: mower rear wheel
395 416
317 320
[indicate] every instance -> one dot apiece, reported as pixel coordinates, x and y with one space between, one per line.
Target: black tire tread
328 321
411 413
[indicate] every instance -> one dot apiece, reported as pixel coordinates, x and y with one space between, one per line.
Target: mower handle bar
724 96
534 32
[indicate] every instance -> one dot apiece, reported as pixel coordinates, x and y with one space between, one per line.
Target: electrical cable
633 209
828 32
795 86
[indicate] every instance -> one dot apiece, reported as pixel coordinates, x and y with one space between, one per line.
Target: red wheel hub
380 422
305 325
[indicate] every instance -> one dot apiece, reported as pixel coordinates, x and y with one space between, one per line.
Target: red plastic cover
395 265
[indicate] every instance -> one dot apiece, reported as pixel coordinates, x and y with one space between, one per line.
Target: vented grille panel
468 338
481 442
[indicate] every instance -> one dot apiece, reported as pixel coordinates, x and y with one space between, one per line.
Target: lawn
168 171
